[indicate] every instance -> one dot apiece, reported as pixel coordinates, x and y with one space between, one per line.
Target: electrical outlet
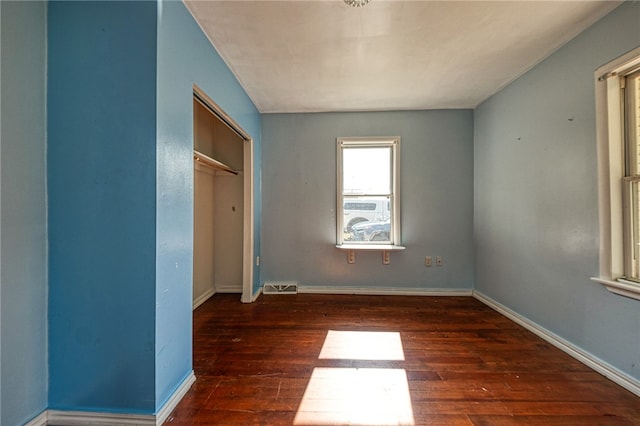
351 256
439 260
386 257
427 261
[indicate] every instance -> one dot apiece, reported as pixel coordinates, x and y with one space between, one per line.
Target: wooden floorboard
464 364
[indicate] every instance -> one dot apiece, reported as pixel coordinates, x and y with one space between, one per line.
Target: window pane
634 271
366 170
632 95
368 206
632 186
367 219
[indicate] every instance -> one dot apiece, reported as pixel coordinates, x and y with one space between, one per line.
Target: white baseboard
88 418
40 420
612 373
228 288
388 291
255 296
82 418
203 298
175 398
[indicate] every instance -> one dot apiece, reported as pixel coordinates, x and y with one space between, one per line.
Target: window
368 199
631 180
618 124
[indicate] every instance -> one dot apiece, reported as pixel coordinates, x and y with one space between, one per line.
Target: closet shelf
208 161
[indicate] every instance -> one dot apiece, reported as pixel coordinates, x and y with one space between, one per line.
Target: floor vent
280 287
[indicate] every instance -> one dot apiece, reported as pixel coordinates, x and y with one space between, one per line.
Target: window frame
630 180
611 145
392 142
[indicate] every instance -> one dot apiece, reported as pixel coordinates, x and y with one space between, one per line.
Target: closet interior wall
218 207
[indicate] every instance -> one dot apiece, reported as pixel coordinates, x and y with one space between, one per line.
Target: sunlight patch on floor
362 345
356 396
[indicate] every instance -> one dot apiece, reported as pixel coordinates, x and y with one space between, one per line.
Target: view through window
368 182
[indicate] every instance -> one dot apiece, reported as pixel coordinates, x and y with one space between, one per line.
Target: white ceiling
303 56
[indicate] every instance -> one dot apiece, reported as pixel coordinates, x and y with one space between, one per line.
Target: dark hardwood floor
275 362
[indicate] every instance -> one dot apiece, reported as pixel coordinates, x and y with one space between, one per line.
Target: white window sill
386 250
379 247
620 286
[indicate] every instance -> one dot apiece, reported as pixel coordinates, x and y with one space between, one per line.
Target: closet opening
222 203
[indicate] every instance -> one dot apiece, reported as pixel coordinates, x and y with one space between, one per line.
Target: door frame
248 192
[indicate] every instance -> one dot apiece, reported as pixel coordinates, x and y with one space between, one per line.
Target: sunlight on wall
358 396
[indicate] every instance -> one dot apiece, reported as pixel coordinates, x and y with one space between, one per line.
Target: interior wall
219 207
203 233
299 190
228 238
218 232
102 205
204 203
536 220
185 58
23 212
215 139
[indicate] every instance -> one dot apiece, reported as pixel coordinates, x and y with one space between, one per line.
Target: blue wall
536 222
299 184
121 208
119 176
185 58
102 205
121 78
23 258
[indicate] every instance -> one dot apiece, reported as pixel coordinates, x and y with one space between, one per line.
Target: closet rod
217 112
208 161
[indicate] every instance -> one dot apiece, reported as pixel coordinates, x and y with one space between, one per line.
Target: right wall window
618 134
631 181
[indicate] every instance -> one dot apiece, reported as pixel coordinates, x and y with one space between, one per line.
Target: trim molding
39 420
621 378
248 191
387 291
203 298
256 295
229 288
83 418
87 418
174 399
620 287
